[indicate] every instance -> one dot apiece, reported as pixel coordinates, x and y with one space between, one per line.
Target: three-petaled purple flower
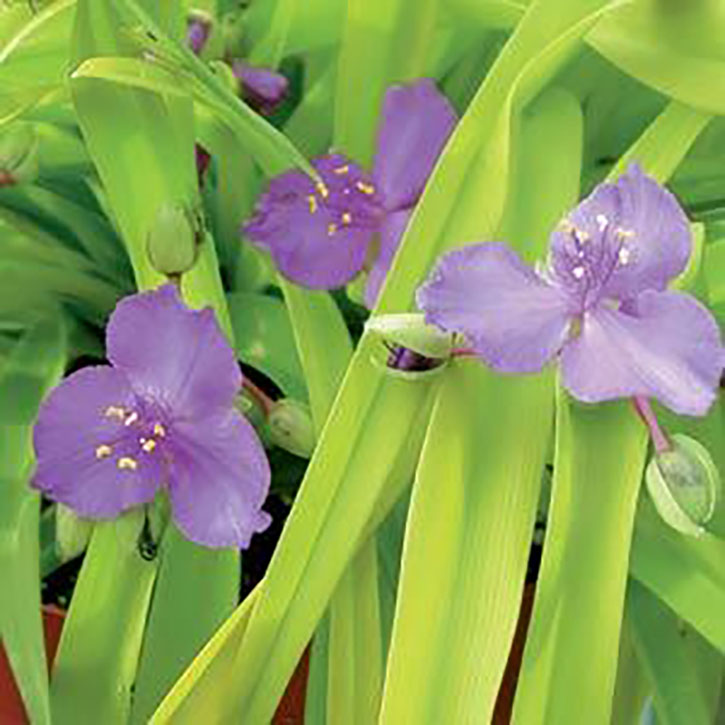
600 304
321 235
162 416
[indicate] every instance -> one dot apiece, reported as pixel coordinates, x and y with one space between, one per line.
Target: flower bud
18 154
684 485
198 29
411 331
72 533
290 427
173 240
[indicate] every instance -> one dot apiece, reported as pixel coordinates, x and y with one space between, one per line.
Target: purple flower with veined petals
322 235
600 304
161 416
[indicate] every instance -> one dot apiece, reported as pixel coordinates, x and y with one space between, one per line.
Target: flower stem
260 397
660 441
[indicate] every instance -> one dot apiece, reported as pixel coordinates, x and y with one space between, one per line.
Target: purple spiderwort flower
161 416
322 235
600 305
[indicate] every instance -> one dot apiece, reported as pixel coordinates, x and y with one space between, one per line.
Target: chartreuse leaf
201 689
664 648
571 651
570 657
35 60
377 416
467 542
31 367
362 73
323 345
382 42
354 650
675 48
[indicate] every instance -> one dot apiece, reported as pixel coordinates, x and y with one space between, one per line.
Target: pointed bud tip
173 240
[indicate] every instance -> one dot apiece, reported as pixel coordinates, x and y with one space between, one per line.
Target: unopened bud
18 154
173 240
290 427
198 29
72 533
262 88
684 484
412 332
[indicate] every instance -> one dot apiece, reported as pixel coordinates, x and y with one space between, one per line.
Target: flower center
584 260
141 435
345 195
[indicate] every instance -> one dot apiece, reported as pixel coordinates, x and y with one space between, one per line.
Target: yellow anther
127 463
312 201
148 445
103 451
159 430
331 228
625 233
322 188
113 411
365 188
342 169
346 217
131 418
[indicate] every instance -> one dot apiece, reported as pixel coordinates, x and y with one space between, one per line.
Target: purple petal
87 457
173 355
318 236
669 349
264 89
391 231
515 321
623 239
219 480
416 122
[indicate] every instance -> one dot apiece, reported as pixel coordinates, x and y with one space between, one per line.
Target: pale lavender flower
600 304
161 416
322 235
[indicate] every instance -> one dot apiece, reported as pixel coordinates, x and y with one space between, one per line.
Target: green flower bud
290 427
173 240
684 484
72 533
412 332
18 154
